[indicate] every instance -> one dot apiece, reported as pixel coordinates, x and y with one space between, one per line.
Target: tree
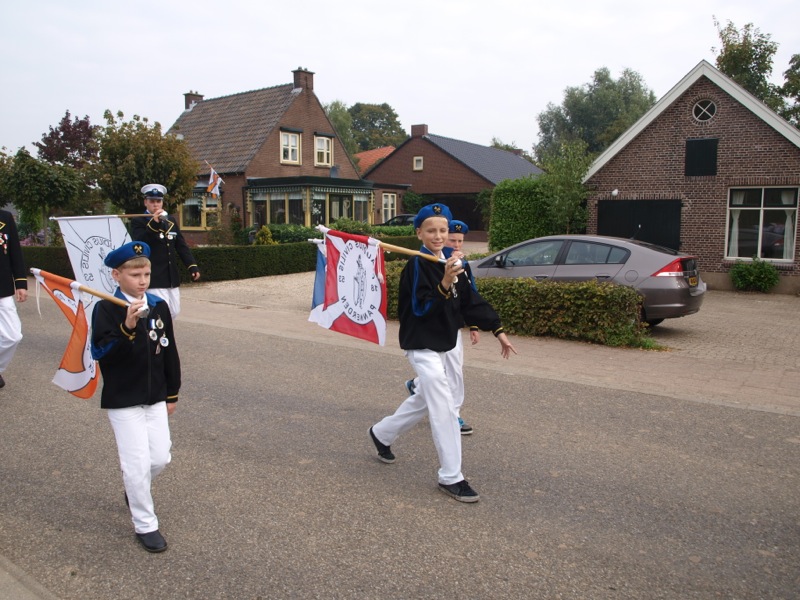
135 153
597 113
564 189
72 143
38 188
791 91
343 124
512 147
746 57
376 126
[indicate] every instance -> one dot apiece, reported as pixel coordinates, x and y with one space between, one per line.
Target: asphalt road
589 488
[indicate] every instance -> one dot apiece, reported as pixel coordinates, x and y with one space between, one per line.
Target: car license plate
692 281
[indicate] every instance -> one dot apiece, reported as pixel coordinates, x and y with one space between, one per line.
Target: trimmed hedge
601 313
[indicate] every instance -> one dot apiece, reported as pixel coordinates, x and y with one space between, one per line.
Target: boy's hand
133 313
171 406
505 346
452 270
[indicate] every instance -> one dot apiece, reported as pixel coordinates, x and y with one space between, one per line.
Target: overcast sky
470 69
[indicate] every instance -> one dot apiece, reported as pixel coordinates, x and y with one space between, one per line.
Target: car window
538 253
590 253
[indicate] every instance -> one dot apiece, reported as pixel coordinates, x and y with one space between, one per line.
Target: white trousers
434 398
10 331
454 367
172 296
144 444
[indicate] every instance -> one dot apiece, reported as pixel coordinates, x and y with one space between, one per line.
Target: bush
601 313
756 276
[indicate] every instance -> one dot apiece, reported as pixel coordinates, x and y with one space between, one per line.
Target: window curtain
737 199
787 199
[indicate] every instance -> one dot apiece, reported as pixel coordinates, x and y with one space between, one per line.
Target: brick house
446 170
709 170
278 154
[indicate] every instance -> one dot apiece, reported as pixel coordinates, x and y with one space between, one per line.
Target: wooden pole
401 250
82 288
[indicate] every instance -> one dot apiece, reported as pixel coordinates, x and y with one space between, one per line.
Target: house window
277 208
701 158
290 148
200 211
323 157
704 110
761 222
389 207
417 166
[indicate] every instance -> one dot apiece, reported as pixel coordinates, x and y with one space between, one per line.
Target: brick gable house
709 170
278 154
450 171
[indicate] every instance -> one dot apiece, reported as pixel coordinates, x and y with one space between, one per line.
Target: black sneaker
2 382
412 389
152 541
461 491
465 429
384 451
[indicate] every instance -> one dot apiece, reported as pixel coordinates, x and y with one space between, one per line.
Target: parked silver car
667 279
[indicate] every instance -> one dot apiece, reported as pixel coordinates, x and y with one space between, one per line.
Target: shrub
264 237
756 276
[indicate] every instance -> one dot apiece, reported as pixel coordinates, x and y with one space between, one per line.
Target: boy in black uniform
166 246
433 304
141 371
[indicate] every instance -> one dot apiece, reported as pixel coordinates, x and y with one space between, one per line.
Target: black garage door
654 221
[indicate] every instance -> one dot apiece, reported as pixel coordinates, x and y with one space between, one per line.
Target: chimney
191 98
419 130
303 78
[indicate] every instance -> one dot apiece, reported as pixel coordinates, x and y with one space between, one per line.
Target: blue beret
432 210
154 190
126 252
457 226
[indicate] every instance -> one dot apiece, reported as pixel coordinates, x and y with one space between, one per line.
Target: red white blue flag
350 287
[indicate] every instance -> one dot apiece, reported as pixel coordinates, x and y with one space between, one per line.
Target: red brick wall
305 113
750 153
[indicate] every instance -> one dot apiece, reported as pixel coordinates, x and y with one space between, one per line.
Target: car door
535 259
584 260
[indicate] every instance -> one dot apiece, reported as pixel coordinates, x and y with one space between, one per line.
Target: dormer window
323 151
290 148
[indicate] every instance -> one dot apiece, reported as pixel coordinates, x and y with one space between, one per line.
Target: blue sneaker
465 429
412 389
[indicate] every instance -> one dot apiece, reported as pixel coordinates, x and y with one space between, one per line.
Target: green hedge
601 313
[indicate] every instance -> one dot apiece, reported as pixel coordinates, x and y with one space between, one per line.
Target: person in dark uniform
434 301
167 246
138 357
13 286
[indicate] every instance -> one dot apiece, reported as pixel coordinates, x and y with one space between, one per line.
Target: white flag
89 240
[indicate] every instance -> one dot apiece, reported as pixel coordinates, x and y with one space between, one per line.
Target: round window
704 110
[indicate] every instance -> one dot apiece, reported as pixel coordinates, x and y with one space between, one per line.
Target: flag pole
82 288
401 250
84 217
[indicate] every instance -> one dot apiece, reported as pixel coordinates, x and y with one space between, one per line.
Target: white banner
89 240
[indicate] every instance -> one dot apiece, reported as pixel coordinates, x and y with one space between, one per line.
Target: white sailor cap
154 190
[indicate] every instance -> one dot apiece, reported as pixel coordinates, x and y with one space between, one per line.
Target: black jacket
430 317
166 247
12 267
136 369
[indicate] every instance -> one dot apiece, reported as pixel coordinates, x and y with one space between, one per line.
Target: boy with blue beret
135 346
434 300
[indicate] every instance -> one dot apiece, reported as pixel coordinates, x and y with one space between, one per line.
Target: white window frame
417 164
784 235
323 156
389 206
291 152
